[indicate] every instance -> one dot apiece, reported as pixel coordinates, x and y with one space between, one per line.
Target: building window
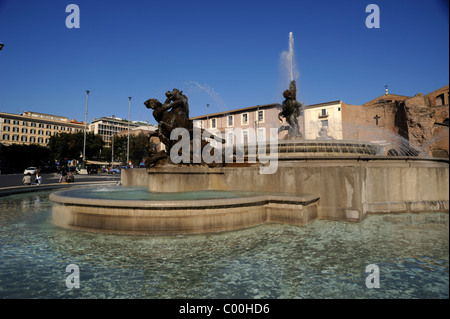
213 123
41 132
47 140
32 124
15 137
7 121
244 119
48 133
261 116
32 139
16 122
323 113
6 128
40 140
32 131
261 134
48 126
325 123
41 125
230 140
25 123
23 138
55 127
24 130
15 129
245 137
5 137
230 120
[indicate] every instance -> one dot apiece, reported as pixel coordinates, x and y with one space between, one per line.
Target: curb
6 191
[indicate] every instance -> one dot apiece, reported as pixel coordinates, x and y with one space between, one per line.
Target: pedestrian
38 179
26 179
62 174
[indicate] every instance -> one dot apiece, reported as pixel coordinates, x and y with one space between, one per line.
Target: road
8 180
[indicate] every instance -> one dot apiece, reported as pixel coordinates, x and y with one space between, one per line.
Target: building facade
107 127
239 126
322 121
34 128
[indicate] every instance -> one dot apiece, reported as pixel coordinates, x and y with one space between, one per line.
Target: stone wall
348 188
412 119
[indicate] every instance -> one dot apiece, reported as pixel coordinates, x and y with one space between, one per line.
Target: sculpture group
174 113
170 115
291 109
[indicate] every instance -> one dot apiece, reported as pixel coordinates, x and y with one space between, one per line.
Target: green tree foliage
139 149
70 146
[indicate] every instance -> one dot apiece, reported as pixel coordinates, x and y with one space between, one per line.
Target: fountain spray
291 56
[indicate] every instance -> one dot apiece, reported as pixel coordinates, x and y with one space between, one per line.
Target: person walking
26 180
62 174
38 179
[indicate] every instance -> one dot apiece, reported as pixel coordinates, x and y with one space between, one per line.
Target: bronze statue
170 115
290 111
174 113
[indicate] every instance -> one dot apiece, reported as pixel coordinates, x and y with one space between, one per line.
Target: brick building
421 120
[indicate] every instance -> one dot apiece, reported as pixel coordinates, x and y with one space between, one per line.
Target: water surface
325 259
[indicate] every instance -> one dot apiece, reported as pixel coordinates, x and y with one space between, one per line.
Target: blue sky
222 53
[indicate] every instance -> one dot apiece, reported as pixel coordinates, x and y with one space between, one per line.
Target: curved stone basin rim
181 216
264 198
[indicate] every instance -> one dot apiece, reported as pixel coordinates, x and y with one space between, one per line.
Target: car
114 171
30 170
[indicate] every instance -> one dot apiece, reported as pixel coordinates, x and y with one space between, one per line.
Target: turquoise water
324 259
141 193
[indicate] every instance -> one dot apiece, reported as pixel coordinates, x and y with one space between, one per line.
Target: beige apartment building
34 128
318 120
245 122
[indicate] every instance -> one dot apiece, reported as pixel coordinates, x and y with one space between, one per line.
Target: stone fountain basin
218 211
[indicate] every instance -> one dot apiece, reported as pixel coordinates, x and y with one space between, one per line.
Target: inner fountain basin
189 199
134 210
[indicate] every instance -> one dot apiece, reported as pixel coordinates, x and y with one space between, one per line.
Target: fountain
187 194
195 187
317 184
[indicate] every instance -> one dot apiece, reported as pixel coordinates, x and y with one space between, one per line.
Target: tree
139 149
70 146
18 157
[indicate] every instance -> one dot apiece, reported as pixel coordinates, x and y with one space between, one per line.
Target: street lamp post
85 126
128 142
112 144
207 116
